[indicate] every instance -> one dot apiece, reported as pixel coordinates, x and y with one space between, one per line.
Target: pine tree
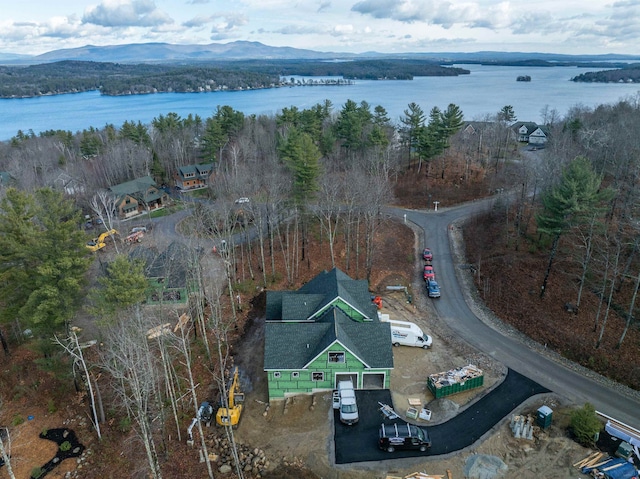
570 202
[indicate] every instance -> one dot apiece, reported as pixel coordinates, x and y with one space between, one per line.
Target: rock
482 466
225 469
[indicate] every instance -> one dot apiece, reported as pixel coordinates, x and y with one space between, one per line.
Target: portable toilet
544 417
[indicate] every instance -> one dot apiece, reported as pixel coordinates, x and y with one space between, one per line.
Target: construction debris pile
522 427
455 380
602 466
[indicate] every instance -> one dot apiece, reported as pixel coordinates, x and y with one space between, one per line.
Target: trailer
455 381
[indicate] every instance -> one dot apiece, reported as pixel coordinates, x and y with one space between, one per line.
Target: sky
387 26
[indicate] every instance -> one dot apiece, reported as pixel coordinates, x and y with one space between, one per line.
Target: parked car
403 436
138 229
433 289
428 273
241 201
427 255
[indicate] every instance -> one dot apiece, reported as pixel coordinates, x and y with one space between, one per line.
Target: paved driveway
359 443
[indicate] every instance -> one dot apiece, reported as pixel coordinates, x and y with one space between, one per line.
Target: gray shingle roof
293 344
319 292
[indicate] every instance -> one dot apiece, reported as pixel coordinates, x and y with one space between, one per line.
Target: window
317 376
277 374
295 375
336 357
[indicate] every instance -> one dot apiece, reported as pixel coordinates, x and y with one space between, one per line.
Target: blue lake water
484 92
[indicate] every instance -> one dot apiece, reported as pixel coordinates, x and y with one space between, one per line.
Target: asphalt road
563 378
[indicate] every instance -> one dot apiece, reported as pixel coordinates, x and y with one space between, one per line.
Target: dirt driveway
300 430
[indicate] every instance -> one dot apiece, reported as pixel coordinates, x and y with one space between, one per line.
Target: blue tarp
625 471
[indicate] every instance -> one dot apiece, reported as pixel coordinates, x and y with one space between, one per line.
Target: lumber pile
601 466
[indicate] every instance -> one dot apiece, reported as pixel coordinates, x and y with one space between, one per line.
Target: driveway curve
458 310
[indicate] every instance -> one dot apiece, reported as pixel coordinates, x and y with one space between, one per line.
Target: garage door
372 380
346 377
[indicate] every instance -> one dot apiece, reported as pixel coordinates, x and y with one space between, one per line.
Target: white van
348 406
407 334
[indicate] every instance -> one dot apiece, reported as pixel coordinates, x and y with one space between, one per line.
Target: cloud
323 6
198 21
299 30
226 25
126 13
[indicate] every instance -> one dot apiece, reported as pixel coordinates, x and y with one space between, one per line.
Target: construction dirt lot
299 432
297 436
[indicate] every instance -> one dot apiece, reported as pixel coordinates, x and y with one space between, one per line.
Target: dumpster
455 381
544 416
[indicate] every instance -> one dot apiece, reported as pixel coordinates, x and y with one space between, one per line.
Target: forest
626 74
317 175
128 79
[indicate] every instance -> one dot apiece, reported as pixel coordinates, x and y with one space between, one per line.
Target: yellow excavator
229 414
98 243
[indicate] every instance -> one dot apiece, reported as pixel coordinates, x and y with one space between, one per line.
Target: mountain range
244 50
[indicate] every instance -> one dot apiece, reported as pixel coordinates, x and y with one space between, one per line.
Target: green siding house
325 332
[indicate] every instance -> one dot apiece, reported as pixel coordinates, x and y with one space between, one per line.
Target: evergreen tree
302 156
43 259
213 140
572 201
413 122
452 120
123 286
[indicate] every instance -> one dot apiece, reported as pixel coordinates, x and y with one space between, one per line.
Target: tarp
622 433
624 469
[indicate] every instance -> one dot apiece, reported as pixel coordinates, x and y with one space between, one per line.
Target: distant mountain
169 53
243 50
12 57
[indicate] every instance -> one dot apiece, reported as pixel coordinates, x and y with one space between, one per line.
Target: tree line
322 171
72 76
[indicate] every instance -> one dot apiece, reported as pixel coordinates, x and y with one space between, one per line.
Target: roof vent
307 345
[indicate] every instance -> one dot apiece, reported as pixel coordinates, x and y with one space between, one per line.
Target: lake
485 91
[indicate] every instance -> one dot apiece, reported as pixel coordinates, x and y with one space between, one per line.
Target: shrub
17 420
585 424
51 406
125 424
36 473
65 446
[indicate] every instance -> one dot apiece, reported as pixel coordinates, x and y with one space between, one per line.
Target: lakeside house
326 331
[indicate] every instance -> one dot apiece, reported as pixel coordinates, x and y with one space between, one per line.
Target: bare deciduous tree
131 363
73 348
